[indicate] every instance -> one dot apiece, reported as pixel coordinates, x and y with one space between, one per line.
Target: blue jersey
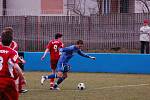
67 54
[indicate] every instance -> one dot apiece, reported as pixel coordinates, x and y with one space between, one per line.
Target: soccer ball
81 86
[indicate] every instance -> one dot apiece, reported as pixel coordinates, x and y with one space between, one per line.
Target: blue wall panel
105 62
34 63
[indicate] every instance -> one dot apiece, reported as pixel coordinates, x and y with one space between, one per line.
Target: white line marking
109 87
122 86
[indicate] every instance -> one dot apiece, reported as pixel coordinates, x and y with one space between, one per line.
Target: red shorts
8 89
54 63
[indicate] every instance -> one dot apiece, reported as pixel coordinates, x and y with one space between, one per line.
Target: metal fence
98 32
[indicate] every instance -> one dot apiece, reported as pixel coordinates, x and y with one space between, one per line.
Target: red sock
51 82
21 83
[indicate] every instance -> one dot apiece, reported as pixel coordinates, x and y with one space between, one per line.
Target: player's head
58 35
79 43
146 22
6 38
10 29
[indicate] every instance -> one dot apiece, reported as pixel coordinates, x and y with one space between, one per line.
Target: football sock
60 80
51 76
52 82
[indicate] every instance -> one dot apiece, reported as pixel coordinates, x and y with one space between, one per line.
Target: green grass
99 86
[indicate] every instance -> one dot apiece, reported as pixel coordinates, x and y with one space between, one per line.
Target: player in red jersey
20 82
7 84
14 45
53 47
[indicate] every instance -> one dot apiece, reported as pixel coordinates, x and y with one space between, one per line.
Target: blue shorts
63 68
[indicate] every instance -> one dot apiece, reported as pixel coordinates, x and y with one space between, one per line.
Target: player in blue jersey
62 65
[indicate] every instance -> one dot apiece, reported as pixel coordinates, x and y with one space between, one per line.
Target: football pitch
99 86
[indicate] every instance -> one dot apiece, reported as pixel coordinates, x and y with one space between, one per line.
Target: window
124 6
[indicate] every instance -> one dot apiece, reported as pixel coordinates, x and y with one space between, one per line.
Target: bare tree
79 7
145 4
84 7
99 3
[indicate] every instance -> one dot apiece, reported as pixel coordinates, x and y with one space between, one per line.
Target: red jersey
53 47
7 55
14 45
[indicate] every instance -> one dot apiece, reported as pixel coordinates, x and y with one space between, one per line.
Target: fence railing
98 32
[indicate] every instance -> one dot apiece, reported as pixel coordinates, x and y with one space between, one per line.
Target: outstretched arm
85 55
66 49
42 58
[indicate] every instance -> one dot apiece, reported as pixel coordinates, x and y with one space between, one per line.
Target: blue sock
60 80
51 76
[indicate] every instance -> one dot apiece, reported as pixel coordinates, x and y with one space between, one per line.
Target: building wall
1 7
131 6
23 7
114 6
45 7
83 7
34 7
52 6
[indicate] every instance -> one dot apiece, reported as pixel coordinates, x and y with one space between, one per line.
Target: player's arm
81 53
46 50
66 49
15 46
61 45
20 58
149 30
18 69
141 31
42 58
13 62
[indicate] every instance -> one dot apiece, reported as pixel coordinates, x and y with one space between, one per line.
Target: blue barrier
105 62
34 63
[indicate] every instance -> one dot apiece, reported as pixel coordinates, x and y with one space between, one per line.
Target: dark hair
6 38
10 29
58 35
79 42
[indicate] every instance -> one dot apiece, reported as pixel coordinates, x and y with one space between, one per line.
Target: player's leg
56 75
3 96
9 90
59 67
48 77
52 80
20 82
147 47
12 93
64 70
3 86
60 80
53 68
142 47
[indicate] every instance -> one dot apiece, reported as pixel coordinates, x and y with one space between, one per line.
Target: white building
33 7
65 7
